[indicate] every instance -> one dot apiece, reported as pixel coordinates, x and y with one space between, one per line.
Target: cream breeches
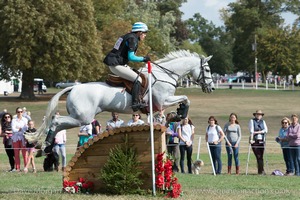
125 72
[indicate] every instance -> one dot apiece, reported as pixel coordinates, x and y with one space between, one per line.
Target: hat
258 112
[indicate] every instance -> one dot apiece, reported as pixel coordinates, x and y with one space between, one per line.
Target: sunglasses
6 117
284 122
134 115
19 111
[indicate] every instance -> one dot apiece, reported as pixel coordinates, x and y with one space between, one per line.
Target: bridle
201 78
169 73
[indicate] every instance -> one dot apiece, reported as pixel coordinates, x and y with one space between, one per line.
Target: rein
168 72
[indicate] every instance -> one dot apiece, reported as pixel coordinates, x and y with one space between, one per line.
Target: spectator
115 122
96 127
136 120
6 133
85 133
233 134
214 137
172 140
186 136
60 148
40 87
293 135
160 117
258 130
19 126
286 151
30 148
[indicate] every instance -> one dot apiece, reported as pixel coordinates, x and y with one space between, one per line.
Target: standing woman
186 136
214 136
19 126
233 133
172 139
6 133
258 130
293 136
283 141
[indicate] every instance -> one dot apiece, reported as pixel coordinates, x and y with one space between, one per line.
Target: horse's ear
208 58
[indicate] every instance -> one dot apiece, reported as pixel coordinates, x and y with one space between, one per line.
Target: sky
209 9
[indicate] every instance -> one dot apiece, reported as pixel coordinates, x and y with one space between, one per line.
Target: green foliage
54 40
121 172
213 41
246 18
278 50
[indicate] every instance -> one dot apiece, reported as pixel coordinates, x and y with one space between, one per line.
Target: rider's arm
133 58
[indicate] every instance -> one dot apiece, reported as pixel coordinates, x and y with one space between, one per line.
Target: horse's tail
51 109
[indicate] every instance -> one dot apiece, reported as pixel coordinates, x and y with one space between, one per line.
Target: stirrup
138 106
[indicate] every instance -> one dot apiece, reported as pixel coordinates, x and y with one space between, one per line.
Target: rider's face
142 36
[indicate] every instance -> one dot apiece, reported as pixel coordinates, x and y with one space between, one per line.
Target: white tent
6 86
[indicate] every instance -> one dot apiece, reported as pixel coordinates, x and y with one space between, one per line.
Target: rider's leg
125 72
128 74
136 104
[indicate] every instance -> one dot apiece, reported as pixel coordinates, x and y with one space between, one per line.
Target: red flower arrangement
80 186
166 181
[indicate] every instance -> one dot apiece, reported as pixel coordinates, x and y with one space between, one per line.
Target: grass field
274 103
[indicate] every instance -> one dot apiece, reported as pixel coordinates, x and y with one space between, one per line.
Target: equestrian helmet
139 26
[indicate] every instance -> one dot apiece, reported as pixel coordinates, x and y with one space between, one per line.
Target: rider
123 52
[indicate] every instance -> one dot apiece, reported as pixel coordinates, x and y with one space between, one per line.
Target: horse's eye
207 70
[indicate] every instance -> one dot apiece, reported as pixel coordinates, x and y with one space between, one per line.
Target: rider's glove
147 58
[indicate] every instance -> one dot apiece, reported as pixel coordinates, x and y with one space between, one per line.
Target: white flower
72 190
67 189
79 184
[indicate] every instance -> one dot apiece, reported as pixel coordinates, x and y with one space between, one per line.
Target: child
30 148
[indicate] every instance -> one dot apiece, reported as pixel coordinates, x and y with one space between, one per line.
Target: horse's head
202 75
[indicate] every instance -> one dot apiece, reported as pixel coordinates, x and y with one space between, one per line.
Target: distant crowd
179 140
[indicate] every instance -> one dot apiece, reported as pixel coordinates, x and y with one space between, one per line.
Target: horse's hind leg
58 124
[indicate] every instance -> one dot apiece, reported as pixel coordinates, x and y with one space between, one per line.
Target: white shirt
132 123
186 133
16 124
212 134
115 124
86 129
61 137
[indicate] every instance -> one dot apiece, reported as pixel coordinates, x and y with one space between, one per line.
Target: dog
52 159
196 166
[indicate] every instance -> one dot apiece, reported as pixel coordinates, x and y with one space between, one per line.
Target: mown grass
275 104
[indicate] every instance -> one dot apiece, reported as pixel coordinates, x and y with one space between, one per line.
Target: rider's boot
136 104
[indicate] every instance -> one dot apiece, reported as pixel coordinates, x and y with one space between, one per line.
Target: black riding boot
136 104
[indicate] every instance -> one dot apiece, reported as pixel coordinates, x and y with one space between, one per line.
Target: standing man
258 130
123 52
115 122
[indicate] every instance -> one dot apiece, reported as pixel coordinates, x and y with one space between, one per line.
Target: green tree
246 18
214 41
279 50
54 40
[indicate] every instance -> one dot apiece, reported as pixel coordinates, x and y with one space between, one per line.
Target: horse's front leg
184 102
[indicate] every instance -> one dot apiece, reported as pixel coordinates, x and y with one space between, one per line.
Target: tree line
67 40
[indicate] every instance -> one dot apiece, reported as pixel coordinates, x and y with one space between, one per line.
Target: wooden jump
89 159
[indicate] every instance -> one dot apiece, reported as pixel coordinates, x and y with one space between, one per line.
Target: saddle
117 81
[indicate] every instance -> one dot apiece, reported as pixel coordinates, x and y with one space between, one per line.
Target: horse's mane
177 54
